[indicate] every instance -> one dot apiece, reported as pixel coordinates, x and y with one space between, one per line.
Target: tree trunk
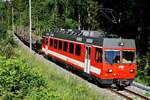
20 19
89 21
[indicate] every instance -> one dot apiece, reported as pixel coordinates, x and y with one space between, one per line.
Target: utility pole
30 25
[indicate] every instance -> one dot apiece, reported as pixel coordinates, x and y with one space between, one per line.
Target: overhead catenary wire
112 18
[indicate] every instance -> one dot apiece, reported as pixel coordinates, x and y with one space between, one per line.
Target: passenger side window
65 46
51 42
78 50
71 48
98 55
46 40
60 45
55 44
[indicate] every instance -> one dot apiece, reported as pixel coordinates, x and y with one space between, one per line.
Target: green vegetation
18 79
147 94
143 73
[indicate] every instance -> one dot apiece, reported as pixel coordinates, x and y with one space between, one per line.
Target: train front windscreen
114 56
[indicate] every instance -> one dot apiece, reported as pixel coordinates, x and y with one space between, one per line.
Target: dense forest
126 18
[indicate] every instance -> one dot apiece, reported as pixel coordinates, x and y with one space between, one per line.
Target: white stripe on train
75 62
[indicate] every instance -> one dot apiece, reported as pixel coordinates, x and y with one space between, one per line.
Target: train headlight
131 70
110 70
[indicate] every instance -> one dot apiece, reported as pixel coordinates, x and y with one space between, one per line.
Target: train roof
93 38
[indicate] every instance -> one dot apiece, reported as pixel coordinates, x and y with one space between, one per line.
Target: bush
143 70
18 79
141 62
7 43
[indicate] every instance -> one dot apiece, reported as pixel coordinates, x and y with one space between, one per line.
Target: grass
60 86
147 94
145 80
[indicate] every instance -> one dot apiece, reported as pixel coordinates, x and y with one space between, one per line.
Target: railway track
125 94
137 94
129 94
120 94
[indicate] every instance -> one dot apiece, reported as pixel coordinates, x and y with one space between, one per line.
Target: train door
87 59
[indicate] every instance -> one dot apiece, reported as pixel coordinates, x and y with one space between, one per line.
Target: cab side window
98 55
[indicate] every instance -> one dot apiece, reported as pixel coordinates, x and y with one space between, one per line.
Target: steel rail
141 96
120 94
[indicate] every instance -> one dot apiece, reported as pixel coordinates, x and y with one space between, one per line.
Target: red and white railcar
108 59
